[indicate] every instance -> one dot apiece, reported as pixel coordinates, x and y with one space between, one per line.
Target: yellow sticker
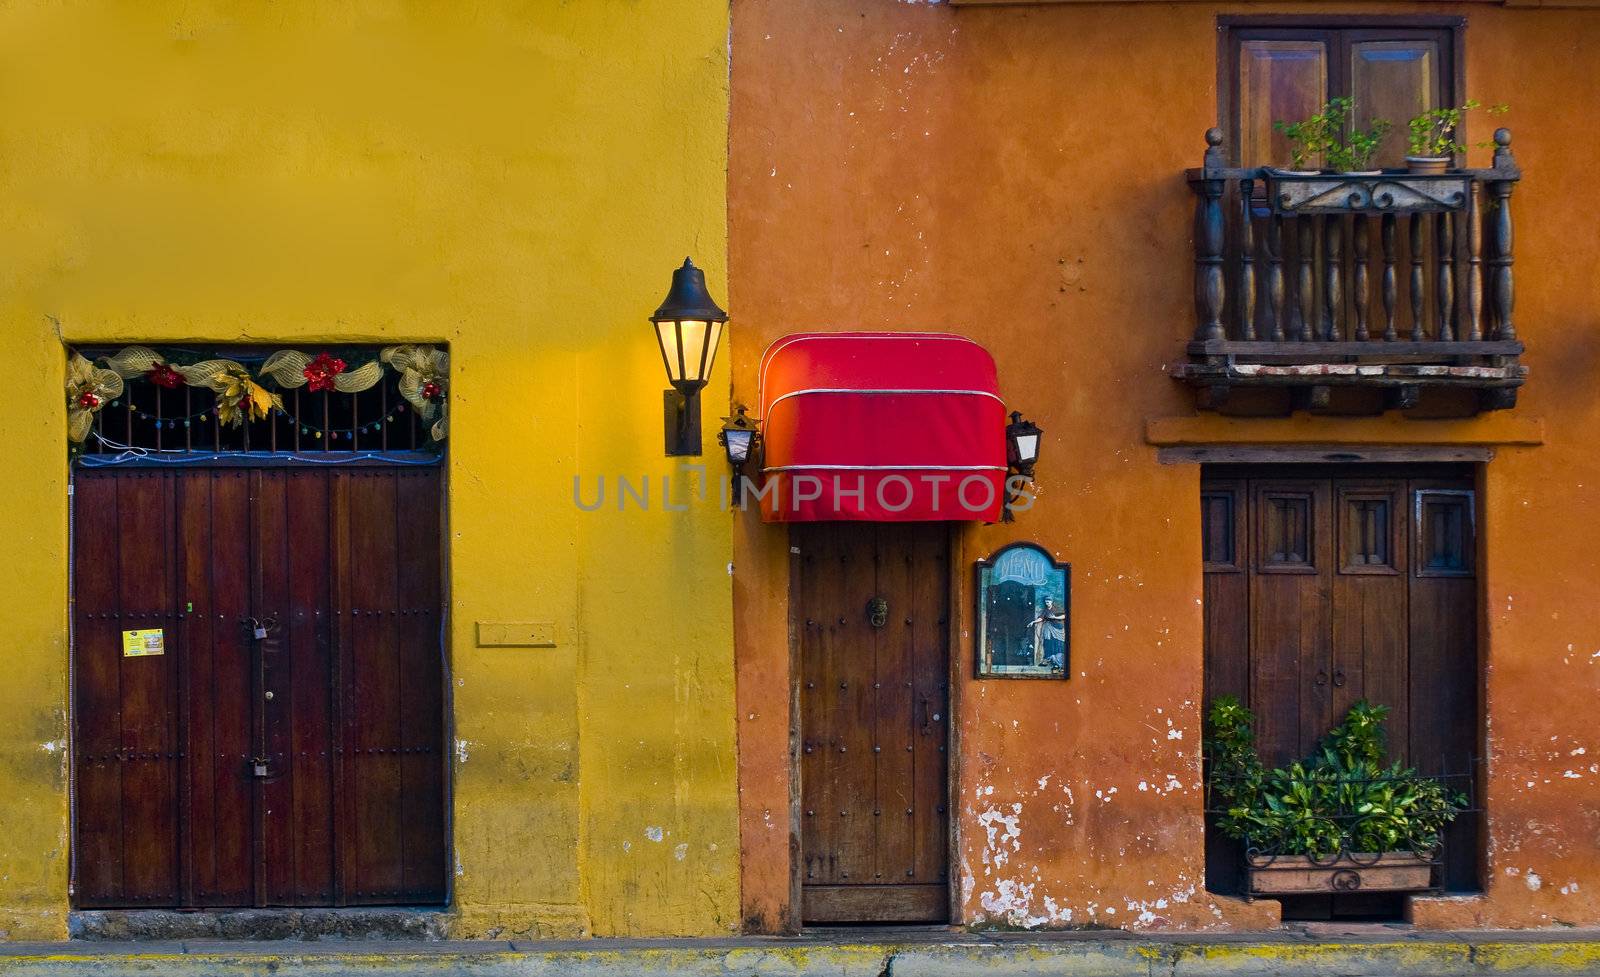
137 644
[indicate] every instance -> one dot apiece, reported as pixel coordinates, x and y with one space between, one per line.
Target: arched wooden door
258 687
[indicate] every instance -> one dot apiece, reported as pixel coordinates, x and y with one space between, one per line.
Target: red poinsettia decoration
320 372
163 375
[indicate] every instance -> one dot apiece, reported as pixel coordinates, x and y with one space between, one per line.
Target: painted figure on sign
1050 636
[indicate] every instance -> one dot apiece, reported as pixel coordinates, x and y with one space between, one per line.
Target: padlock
260 767
260 632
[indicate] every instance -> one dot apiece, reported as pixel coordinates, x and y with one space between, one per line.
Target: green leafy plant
1434 133
1323 136
1341 798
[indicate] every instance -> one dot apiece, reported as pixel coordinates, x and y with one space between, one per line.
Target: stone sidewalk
1375 951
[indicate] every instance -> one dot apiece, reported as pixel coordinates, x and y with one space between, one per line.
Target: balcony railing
1393 281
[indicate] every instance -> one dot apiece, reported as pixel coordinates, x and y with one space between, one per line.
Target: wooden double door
258 687
1350 584
871 612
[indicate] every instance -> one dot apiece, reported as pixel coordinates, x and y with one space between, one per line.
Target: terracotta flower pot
1428 164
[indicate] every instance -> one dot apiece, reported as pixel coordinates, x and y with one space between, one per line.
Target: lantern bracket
681 416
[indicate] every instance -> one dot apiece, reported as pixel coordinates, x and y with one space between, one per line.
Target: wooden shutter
1273 72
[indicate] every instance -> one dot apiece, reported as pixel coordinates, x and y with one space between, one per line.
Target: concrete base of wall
928 954
259 924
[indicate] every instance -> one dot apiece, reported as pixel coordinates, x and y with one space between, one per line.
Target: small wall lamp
739 437
1022 453
1022 444
688 328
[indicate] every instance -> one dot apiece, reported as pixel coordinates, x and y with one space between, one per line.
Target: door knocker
878 612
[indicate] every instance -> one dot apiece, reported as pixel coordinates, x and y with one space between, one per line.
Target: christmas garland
423 372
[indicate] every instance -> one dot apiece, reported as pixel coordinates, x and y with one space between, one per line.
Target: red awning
890 427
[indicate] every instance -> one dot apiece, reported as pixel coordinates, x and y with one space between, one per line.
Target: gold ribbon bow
89 388
239 396
288 368
419 367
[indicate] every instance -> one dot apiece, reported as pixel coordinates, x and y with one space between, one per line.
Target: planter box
1396 192
1298 875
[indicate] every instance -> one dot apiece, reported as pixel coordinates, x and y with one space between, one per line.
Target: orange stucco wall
1014 174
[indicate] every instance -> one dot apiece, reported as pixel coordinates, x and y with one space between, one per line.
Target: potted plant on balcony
1337 821
1432 143
1324 135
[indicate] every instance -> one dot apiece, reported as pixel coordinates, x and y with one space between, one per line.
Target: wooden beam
1388 430
1320 454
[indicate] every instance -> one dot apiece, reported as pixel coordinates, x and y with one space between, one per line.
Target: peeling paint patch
462 748
654 833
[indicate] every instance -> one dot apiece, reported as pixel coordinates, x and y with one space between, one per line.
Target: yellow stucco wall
515 179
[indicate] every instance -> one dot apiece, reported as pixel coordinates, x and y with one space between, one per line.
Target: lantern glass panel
689 347
738 445
1027 448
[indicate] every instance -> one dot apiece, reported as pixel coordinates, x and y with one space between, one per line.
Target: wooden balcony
1353 293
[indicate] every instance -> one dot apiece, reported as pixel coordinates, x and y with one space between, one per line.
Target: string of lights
126 453
306 428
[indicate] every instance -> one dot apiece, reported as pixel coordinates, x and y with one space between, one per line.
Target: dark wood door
872 611
1320 592
285 747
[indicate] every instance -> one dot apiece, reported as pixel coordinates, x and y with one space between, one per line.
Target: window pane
1278 80
1393 80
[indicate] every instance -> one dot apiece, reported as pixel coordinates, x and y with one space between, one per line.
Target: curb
1079 958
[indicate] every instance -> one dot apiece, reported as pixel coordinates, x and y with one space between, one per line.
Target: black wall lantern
1022 452
739 438
1022 444
688 329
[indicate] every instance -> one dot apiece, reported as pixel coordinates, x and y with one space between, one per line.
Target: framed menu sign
1024 628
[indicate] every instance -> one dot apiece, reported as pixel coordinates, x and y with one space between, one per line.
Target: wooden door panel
1289 601
370 671
928 563
219 710
1280 78
421 659
1444 679
1225 556
873 715
389 851
1394 79
898 710
837 789
1370 649
149 692
128 745
291 546
97 699
311 717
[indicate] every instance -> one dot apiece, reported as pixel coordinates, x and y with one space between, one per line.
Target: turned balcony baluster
1419 291
1209 282
1500 187
1286 270
1305 284
1444 280
1387 233
1360 283
1247 263
1275 293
